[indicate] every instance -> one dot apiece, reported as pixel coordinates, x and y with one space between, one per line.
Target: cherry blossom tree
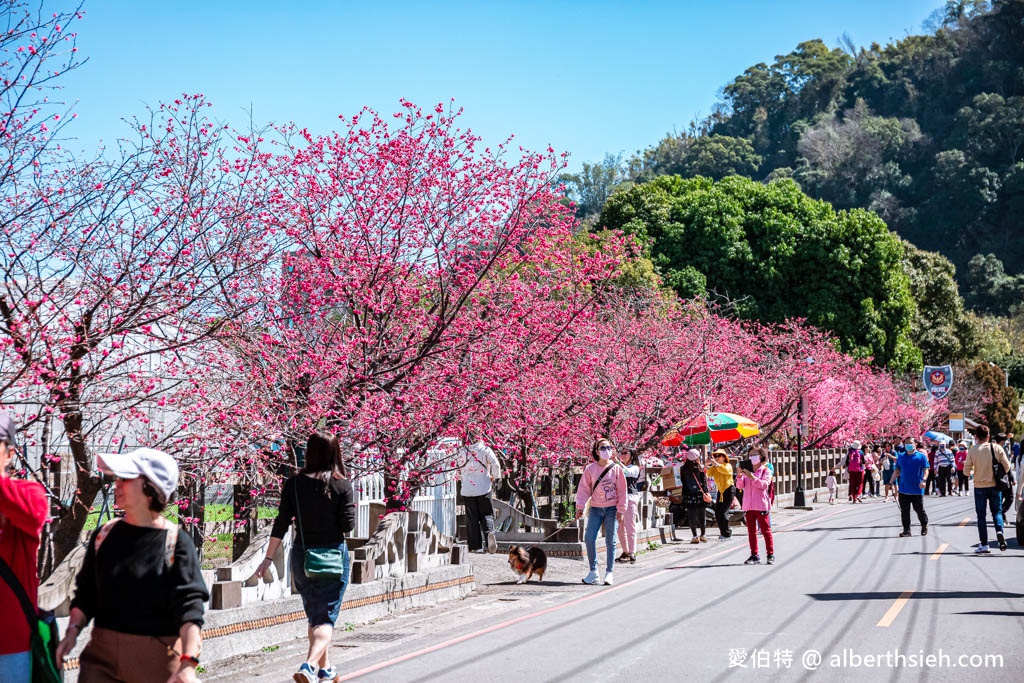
423 273
118 273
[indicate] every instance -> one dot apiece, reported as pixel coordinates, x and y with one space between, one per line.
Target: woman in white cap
140 582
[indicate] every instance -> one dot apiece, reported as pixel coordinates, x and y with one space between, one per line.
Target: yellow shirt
722 474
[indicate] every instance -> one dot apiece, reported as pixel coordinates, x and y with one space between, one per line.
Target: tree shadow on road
917 595
982 613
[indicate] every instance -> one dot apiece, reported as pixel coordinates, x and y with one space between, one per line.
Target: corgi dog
525 563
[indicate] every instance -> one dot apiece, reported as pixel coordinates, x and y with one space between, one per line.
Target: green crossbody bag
318 563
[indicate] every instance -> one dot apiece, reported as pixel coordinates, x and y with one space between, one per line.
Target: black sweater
328 510
129 587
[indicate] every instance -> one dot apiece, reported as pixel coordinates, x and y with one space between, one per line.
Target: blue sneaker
331 675
305 674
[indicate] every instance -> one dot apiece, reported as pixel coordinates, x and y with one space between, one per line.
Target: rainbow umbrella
711 428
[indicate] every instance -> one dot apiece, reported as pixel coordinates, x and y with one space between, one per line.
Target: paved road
845 586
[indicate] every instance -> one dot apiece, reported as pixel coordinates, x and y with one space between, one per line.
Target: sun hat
855 445
159 468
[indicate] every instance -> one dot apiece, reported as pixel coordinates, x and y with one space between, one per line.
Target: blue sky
584 77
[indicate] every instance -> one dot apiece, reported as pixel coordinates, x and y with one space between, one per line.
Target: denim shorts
321 598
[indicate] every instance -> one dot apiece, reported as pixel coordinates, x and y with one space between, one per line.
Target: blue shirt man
913 470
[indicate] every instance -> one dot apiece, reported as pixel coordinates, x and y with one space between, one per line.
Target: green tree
777 254
1000 410
991 289
942 329
594 183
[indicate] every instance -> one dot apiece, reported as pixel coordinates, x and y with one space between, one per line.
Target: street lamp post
799 500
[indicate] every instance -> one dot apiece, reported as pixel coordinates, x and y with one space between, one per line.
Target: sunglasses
605 448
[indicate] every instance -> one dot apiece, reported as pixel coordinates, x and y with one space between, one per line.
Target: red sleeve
24 504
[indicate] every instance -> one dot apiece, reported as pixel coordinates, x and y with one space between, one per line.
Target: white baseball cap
159 468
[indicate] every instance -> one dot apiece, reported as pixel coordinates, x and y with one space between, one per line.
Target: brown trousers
114 657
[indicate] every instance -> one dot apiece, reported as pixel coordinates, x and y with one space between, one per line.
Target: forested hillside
928 133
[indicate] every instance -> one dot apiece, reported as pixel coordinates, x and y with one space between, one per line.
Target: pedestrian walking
603 485
888 463
140 581
695 495
990 467
854 464
754 480
871 476
627 529
480 470
23 511
913 473
831 483
930 488
722 472
321 502
946 465
959 458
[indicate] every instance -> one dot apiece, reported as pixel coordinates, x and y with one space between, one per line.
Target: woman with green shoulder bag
321 501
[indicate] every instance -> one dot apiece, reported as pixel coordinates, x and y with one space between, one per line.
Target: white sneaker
609 579
591 578
492 543
982 550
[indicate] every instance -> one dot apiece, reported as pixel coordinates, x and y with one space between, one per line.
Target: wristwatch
190 658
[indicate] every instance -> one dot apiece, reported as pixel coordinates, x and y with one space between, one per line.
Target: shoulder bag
43 633
318 563
999 472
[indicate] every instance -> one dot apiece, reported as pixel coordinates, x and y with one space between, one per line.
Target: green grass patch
217 551
218 512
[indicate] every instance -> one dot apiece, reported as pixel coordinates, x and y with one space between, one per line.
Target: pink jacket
610 492
755 491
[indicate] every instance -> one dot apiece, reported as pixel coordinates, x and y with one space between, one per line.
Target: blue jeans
16 668
597 517
994 498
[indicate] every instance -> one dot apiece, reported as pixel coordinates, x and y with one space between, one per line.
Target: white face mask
755 460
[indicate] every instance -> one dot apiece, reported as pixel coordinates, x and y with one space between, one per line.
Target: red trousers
856 484
757 519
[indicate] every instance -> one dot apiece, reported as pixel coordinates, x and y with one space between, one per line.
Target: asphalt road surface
846 600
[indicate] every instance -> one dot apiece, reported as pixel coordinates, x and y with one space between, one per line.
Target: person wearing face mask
755 483
695 495
913 471
627 528
603 484
944 461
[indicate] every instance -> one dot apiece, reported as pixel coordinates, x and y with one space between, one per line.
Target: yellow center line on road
938 552
894 611
967 520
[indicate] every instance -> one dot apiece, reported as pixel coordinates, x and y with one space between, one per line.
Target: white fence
437 501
